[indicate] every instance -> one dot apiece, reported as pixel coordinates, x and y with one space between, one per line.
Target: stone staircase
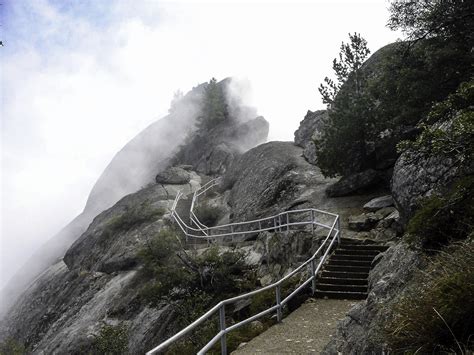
345 275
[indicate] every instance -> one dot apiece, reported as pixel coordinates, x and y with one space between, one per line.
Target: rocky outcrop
355 183
416 176
137 164
62 312
111 242
173 175
212 152
268 178
98 281
308 131
360 331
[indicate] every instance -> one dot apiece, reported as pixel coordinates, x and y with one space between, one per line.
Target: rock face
214 152
137 163
359 331
354 183
416 176
267 178
98 282
310 129
111 242
173 175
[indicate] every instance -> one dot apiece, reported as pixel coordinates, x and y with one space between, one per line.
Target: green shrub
437 313
207 214
132 217
12 347
112 340
442 219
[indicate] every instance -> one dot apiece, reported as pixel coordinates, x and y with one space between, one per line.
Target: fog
80 79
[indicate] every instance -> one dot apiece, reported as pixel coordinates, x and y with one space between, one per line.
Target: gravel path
305 331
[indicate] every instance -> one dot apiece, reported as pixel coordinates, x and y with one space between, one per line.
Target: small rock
241 345
257 325
378 203
384 212
266 280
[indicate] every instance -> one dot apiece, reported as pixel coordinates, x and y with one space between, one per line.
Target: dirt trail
305 331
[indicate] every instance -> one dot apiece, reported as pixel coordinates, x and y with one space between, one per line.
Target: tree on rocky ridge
214 109
344 134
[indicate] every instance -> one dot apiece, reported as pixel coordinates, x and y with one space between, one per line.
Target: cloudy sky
80 78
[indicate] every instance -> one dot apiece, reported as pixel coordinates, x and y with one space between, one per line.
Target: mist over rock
138 162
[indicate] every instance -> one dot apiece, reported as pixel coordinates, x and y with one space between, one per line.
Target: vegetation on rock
348 107
400 85
436 315
214 109
12 347
132 217
112 340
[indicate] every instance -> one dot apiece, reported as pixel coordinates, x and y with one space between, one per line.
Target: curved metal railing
277 224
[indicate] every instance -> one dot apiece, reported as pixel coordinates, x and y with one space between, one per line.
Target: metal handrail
333 235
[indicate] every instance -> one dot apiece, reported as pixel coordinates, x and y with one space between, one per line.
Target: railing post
274 225
259 225
313 282
287 222
312 222
338 230
279 221
222 326
278 302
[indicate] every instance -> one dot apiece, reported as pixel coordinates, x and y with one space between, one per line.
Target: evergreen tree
342 147
214 110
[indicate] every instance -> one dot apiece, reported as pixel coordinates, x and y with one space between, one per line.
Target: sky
79 79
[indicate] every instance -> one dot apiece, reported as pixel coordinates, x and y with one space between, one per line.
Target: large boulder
173 175
355 183
310 129
417 176
269 177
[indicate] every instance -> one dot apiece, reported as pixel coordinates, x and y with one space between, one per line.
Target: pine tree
214 110
341 149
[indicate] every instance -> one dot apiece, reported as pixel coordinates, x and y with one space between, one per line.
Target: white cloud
76 88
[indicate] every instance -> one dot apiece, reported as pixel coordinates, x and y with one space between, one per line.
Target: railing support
313 272
279 221
278 302
274 225
222 326
287 222
312 222
338 231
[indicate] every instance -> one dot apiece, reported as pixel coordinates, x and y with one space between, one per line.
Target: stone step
347 268
344 275
342 251
345 262
344 288
341 295
352 257
342 281
380 248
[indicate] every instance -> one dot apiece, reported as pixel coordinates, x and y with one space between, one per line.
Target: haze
81 78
